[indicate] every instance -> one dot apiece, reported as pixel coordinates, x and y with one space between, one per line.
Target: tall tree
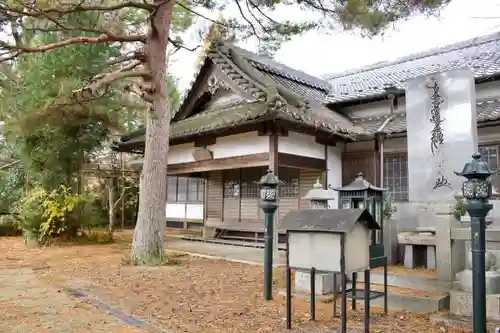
148 62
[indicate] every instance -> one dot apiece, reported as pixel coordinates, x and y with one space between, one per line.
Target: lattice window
396 176
490 155
249 178
193 189
290 177
185 189
171 189
231 183
182 188
201 189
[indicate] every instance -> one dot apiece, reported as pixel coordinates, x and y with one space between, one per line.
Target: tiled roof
487 110
312 88
481 55
247 113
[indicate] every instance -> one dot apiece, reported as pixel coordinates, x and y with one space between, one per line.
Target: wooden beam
245 161
302 162
273 153
205 141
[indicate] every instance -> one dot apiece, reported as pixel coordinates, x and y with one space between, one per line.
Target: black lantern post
477 190
269 197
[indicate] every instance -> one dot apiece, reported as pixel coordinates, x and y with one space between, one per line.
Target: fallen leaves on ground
210 296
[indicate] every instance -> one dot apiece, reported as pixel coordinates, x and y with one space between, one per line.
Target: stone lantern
324 283
319 197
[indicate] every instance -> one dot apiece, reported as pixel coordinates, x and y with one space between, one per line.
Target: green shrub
9 226
44 216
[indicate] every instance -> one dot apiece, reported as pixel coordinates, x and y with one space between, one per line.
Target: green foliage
47 215
12 181
373 17
53 133
389 208
460 209
9 226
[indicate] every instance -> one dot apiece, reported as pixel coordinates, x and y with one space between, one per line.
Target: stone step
413 281
397 299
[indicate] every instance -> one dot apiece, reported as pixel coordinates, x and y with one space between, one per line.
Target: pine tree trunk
147 246
111 209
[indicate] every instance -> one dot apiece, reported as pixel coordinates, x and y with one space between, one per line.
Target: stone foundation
324 283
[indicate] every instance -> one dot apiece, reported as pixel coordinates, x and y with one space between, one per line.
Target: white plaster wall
301 145
334 171
184 211
239 145
229 146
175 211
381 108
181 153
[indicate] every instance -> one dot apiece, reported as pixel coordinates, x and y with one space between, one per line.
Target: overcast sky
320 54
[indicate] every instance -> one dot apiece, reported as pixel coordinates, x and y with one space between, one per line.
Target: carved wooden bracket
202 154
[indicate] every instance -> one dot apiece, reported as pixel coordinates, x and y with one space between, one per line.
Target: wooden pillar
205 198
273 166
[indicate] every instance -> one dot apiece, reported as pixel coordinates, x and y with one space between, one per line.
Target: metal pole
477 210
268 251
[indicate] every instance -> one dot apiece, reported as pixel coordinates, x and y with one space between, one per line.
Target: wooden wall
242 210
355 162
214 197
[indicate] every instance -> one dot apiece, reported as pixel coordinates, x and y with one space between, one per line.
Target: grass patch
279 277
168 259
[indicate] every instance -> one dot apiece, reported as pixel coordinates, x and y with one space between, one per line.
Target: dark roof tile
487 110
481 55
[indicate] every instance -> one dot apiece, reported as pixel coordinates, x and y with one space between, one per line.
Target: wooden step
252 244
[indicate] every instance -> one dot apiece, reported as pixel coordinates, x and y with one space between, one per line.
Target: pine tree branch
70 41
73 8
103 81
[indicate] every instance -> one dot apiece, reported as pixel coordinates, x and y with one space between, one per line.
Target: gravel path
29 305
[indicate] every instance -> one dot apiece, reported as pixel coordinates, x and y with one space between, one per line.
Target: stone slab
456 124
395 301
492 235
415 238
431 257
409 281
461 304
409 260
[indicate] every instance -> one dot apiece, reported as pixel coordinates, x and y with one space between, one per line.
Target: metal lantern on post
361 194
269 203
477 190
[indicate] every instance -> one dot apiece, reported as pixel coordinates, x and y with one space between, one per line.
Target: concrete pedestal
492 280
465 221
324 283
208 233
461 304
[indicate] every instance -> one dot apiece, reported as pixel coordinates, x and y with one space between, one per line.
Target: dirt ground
37 294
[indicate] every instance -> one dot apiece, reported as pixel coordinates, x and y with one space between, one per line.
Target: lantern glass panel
482 188
268 194
468 189
346 203
361 204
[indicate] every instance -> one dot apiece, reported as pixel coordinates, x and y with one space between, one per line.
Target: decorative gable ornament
215 83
